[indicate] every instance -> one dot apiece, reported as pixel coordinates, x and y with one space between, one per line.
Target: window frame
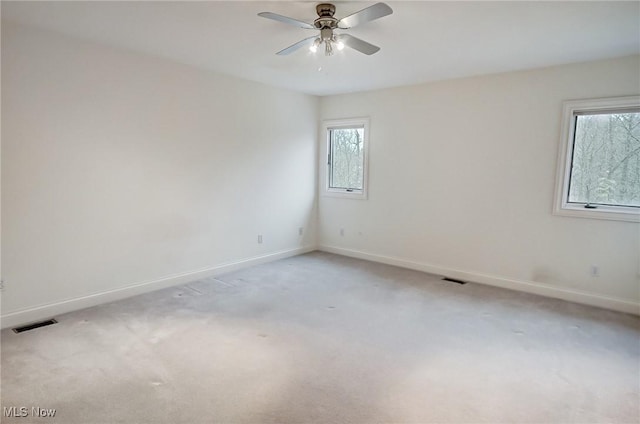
570 110
325 159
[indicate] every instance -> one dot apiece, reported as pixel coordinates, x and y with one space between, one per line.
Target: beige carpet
324 339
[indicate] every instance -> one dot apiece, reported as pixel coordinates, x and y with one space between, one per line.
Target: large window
599 174
346 157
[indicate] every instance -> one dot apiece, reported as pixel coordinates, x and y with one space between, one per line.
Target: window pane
605 167
347 158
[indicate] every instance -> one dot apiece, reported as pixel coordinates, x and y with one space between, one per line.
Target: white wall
120 169
462 177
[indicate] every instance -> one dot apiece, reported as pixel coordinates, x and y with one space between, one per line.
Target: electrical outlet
300 231
341 232
595 271
259 238
1 285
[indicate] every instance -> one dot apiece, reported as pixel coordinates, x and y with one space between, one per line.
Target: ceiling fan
326 23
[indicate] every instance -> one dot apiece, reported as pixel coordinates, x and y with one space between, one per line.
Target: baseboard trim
40 312
541 289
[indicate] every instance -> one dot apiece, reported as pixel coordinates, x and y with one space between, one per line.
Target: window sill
602 212
357 195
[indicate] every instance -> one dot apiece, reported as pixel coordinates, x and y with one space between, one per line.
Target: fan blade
358 44
292 48
368 14
286 20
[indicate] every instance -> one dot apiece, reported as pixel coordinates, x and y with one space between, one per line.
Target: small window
346 157
599 166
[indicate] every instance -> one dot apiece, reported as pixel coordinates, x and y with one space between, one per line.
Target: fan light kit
326 23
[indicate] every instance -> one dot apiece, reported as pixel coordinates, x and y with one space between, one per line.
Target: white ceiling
421 41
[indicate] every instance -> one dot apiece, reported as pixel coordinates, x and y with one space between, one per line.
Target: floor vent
453 280
34 326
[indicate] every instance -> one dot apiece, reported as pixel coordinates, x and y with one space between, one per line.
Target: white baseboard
40 312
571 295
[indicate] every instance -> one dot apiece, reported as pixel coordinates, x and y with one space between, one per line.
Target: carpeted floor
321 338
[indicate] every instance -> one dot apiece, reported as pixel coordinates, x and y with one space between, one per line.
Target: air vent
34 326
453 280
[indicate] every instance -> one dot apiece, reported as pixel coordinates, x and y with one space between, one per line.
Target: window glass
605 166
346 160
